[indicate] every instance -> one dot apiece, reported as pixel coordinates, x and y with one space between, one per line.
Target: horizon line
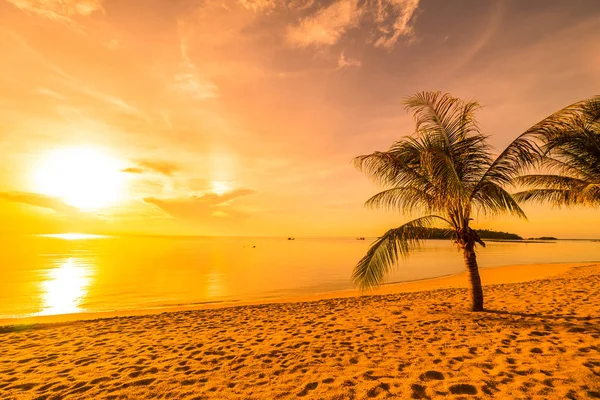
101 235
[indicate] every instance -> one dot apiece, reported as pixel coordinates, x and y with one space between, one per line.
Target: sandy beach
539 339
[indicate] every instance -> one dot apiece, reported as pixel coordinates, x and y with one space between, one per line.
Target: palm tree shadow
575 324
539 315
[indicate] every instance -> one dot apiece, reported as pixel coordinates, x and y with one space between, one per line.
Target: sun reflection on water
65 288
214 285
74 236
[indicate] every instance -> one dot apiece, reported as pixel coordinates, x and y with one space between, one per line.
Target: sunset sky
241 117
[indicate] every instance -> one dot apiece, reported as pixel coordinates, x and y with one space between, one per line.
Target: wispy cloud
187 79
300 5
111 100
346 62
200 207
38 200
392 18
269 5
166 168
75 84
326 26
59 10
199 89
259 5
134 170
51 93
496 14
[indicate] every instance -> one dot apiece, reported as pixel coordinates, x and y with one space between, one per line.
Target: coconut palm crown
569 158
446 171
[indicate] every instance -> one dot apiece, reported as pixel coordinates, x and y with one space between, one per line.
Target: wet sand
539 339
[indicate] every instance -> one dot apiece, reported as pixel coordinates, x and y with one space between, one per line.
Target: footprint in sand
431 376
418 391
309 387
463 388
374 392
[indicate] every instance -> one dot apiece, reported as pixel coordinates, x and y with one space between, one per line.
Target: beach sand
540 339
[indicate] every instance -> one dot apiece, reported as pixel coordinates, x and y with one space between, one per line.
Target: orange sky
241 117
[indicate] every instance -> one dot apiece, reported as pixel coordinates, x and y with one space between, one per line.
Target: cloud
300 5
162 167
112 101
187 79
199 89
496 14
114 44
267 6
344 62
59 10
200 207
259 5
74 83
134 170
51 93
392 18
38 200
326 26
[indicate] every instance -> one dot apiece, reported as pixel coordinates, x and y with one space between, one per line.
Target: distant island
543 238
437 233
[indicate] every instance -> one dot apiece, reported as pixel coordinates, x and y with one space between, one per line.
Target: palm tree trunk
473 270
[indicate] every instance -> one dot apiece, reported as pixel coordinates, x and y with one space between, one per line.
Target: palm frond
406 199
528 149
440 113
550 181
384 253
561 167
441 170
570 148
472 158
448 125
492 199
559 191
522 153
390 168
556 197
591 114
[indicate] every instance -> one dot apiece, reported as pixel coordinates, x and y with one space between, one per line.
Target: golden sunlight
226 199
74 236
82 177
220 187
65 289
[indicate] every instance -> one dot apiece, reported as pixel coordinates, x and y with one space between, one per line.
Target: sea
77 273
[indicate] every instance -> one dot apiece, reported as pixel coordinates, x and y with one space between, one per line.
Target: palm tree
569 158
446 171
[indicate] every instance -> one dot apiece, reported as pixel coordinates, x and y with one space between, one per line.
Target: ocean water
49 275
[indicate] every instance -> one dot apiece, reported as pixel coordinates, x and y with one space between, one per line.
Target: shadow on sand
572 323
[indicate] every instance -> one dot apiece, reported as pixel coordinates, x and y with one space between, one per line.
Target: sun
83 177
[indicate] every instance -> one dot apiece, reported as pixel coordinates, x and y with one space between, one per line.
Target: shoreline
536 339
490 276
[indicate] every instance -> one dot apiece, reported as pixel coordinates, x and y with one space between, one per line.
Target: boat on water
291 238
360 238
